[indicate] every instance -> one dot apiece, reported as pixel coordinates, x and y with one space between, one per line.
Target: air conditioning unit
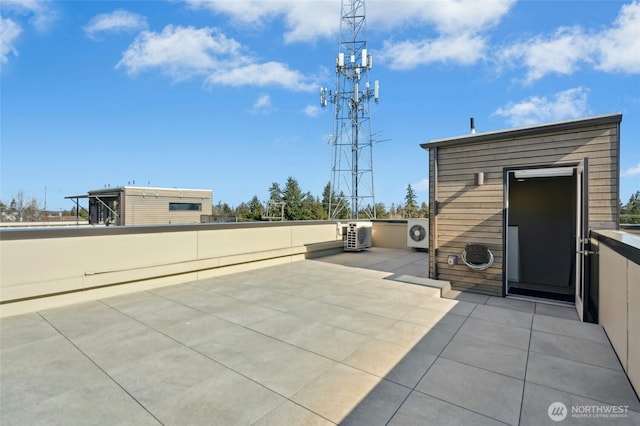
358 236
418 233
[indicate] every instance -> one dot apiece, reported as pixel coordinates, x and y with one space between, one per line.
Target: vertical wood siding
469 213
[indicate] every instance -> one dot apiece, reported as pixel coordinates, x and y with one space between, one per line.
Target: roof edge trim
526 130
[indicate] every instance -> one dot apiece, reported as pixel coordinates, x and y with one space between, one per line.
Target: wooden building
134 205
511 210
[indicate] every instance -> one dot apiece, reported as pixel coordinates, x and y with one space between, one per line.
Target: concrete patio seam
413 389
242 374
246 326
483 368
99 368
587 364
524 380
526 366
215 360
459 406
578 395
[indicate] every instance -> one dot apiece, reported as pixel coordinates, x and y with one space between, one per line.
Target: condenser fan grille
417 233
362 235
358 236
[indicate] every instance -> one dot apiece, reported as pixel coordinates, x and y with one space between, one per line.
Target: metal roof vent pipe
473 126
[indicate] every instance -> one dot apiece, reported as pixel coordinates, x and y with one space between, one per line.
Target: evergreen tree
222 209
339 205
424 210
293 198
275 193
411 208
328 197
319 210
255 208
312 208
226 210
342 206
630 213
83 213
243 212
381 211
275 198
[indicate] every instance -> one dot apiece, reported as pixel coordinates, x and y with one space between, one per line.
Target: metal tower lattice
352 141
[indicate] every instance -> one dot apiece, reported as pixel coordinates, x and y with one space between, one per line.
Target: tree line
630 212
27 209
290 202
286 202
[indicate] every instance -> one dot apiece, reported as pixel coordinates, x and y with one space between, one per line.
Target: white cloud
185 52
117 21
633 171
464 49
562 53
448 17
262 74
245 11
311 110
263 101
9 32
616 49
304 20
567 104
305 24
459 26
619 47
41 15
421 186
262 104
456 31
180 52
309 20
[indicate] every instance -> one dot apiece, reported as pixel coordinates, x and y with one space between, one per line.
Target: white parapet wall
619 296
390 234
41 269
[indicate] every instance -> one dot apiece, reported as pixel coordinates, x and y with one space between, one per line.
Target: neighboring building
134 205
529 195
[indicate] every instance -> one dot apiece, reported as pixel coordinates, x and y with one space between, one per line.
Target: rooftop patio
350 338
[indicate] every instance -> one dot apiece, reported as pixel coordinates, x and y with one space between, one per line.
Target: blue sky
223 95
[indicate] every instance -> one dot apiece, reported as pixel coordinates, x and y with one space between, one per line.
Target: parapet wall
618 257
44 268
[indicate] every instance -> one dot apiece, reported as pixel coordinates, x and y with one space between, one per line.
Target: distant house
134 205
511 210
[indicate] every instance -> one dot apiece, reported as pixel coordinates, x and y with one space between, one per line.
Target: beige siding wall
469 213
390 234
150 206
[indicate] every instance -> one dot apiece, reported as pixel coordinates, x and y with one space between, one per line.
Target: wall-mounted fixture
477 257
479 178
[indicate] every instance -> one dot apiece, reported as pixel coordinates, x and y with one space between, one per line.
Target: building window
185 207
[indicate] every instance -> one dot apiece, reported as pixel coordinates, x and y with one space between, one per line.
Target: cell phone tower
351 185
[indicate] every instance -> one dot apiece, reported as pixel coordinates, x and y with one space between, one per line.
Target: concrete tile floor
316 342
